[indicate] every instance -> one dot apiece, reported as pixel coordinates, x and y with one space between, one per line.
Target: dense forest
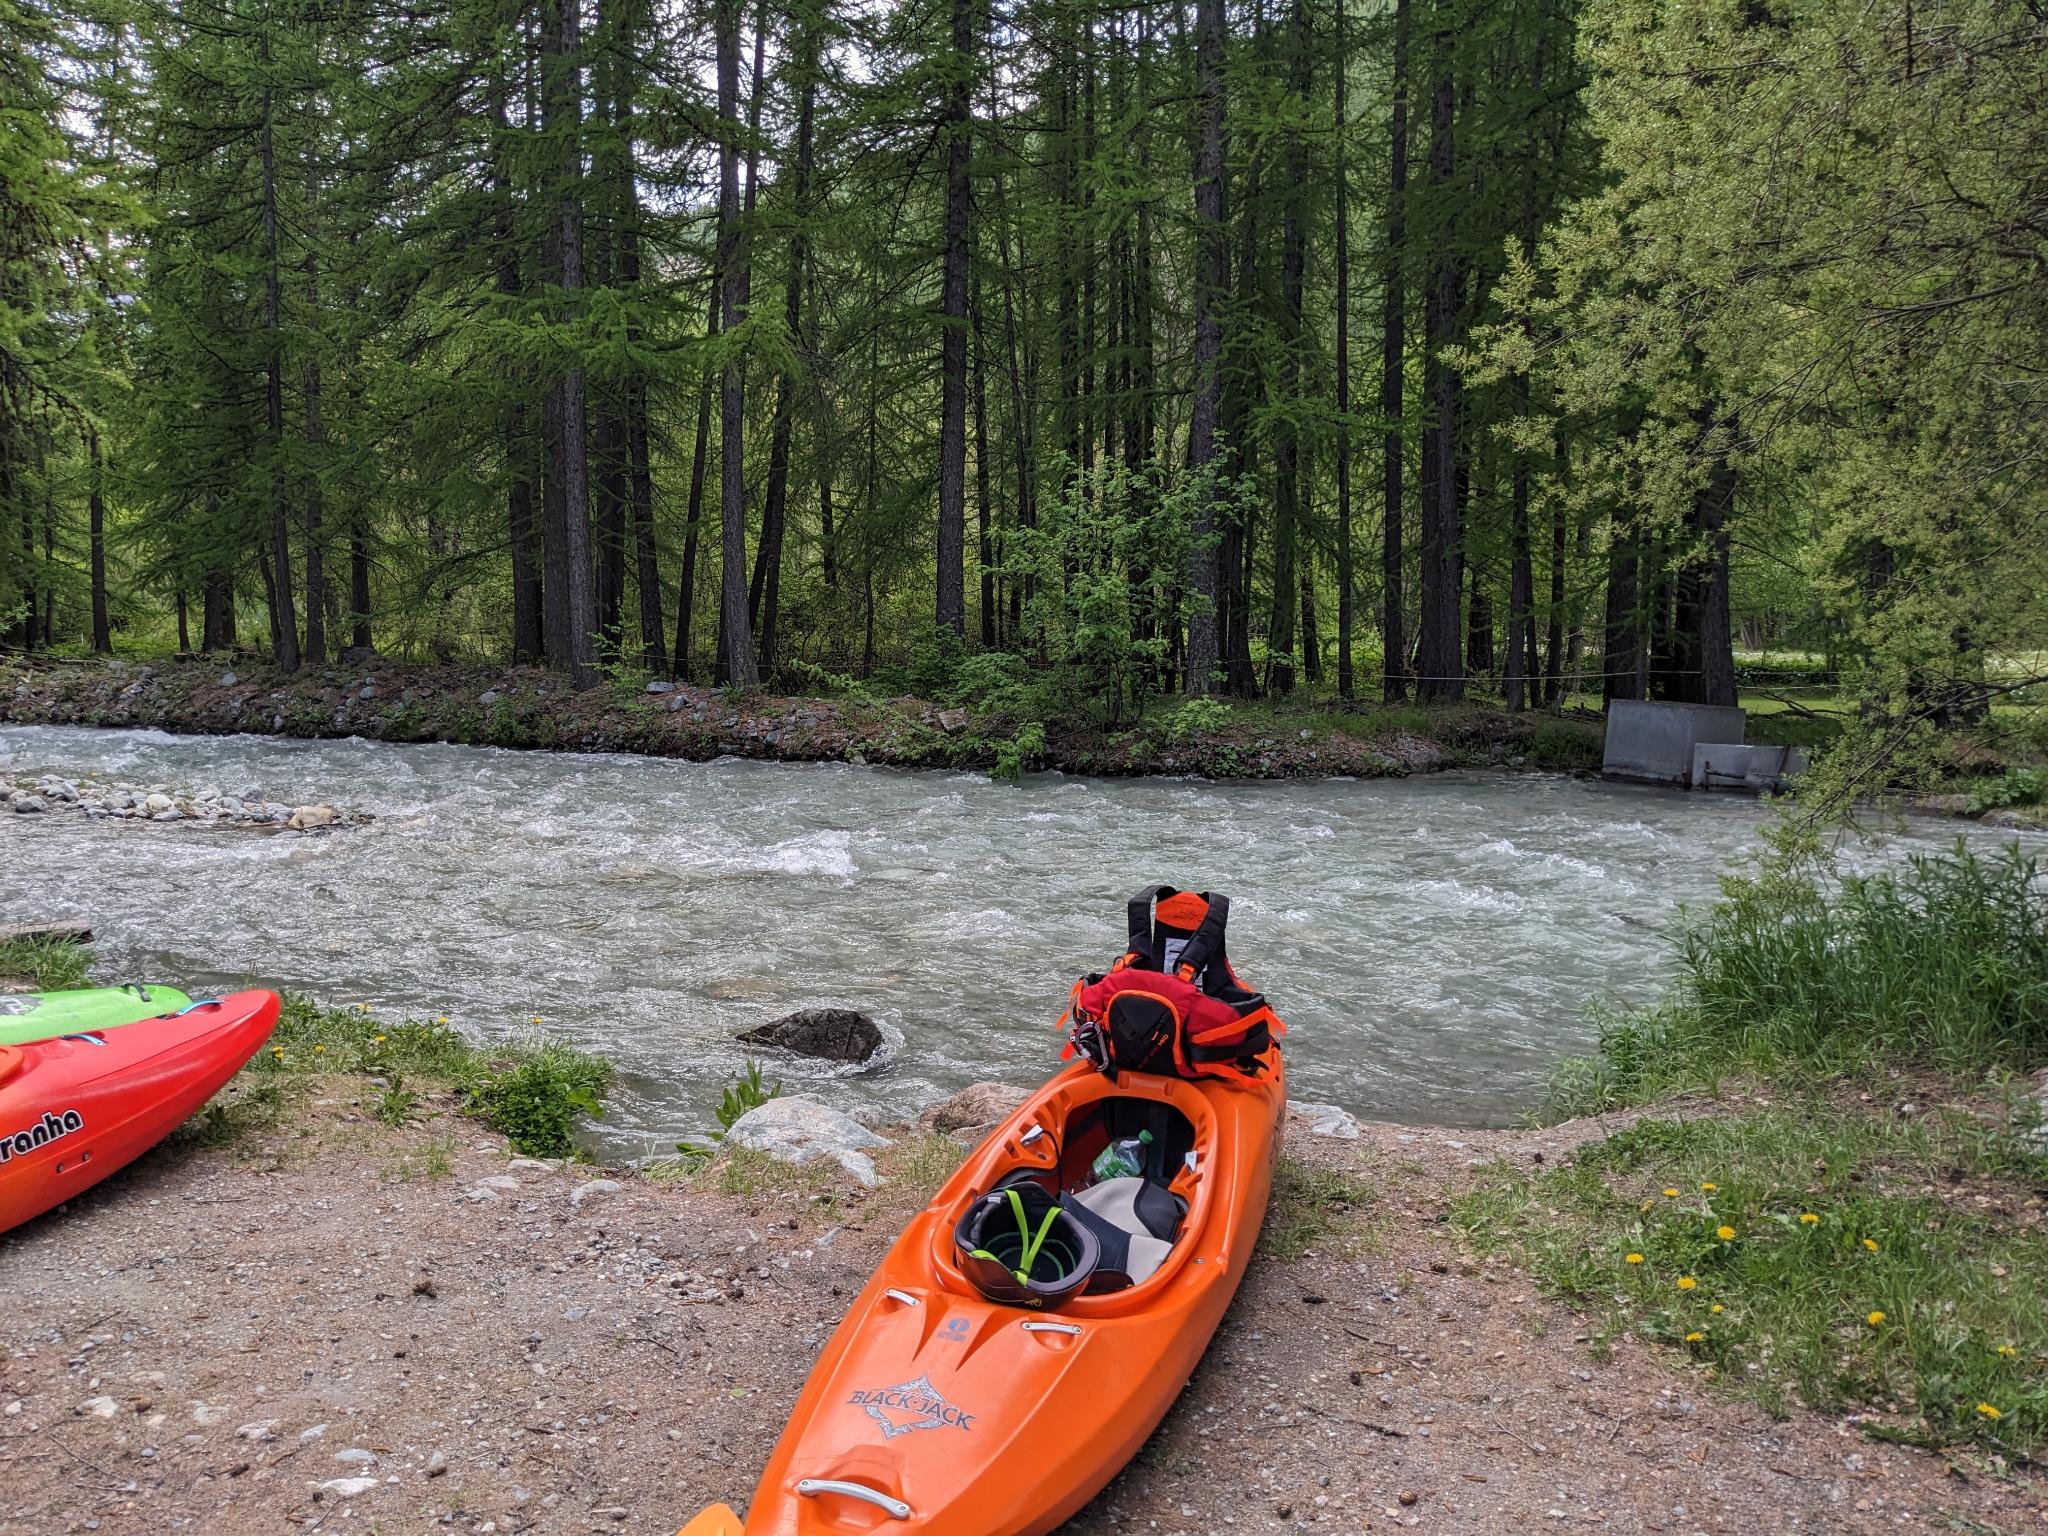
1389 348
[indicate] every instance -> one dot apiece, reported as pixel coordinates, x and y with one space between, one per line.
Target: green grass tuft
535 1092
52 965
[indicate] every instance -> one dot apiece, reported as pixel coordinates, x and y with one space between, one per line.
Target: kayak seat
1134 1222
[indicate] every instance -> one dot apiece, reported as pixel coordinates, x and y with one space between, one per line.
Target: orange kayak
934 1410
75 1109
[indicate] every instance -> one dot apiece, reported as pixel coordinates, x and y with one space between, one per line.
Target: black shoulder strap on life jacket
1159 944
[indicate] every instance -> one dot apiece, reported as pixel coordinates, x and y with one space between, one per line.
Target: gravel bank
326 1323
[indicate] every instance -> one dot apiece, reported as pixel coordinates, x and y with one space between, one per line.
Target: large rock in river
835 1034
798 1129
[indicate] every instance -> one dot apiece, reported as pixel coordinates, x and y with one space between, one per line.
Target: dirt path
328 1324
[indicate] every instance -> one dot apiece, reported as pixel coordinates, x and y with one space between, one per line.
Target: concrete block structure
1652 743
1756 769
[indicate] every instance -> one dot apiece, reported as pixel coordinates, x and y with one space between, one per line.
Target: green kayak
27 1016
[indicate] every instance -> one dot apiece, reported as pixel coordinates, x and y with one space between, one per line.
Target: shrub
742 1094
1566 745
2016 786
537 1098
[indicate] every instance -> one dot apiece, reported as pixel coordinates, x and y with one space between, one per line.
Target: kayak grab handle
811 1487
1035 1327
903 1296
193 1007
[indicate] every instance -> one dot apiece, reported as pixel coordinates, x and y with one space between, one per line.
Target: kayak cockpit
1149 1223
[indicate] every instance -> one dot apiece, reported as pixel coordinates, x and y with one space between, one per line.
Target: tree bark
686 594
568 512
764 592
736 659
1287 510
284 621
1212 262
96 511
950 610
1393 363
984 511
1438 661
1346 575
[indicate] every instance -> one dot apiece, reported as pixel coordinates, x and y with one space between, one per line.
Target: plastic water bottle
1123 1159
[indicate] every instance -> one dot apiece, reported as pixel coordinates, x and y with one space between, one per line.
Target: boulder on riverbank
974 1111
798 1129
831 1034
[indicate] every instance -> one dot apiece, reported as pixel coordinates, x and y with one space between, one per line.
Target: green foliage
2016 786
1194 719
1830 1263
745 1092
538 1096
535 1092
1566 746
1018 753
1942 963
52 965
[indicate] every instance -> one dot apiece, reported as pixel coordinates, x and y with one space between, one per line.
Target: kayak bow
29 1016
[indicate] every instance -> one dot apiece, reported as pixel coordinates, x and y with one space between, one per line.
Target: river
1433 942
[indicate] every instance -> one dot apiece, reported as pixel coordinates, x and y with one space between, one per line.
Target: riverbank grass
1849 1213
1940 964
1889 1265
47 964
534 1091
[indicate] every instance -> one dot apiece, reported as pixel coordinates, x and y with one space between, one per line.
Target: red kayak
75 1109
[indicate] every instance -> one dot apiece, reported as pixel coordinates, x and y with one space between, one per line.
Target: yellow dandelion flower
442 1020
1990 1412
1646 1205
1807 1218
379 1040
1716 1309
1726 1234
1687 1283
319 1050
1694 1338
2008 1351
1710 1188
1874 1319
1634 1258
1670 1194
536 1018
1870 1243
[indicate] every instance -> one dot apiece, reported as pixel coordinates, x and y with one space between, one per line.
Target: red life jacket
1172 1004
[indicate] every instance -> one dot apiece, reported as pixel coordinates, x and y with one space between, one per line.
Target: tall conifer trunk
1212 264
736 642
284 620
951 598
1438 662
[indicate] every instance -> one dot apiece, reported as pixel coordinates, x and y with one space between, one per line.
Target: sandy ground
328 1324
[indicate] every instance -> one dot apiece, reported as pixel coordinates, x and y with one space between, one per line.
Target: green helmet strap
1030 1242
